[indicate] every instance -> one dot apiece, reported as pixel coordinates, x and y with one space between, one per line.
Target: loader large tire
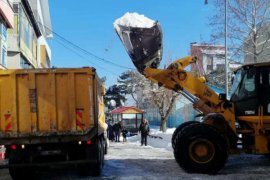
200 148
179 128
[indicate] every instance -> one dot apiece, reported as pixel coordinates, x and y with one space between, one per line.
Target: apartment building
27 41
210 57
6 22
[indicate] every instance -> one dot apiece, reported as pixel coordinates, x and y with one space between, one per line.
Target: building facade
6 22
41 12
259 50
210 57
27 40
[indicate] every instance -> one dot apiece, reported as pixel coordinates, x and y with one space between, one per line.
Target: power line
85 51
61 43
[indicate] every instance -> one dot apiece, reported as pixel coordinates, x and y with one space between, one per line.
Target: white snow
163 142
133 20
131 161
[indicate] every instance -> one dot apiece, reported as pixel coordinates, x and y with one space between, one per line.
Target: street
132 161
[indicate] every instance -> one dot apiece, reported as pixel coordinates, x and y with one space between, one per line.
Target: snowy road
131 161
134 162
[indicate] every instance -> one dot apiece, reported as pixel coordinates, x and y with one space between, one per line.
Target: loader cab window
236 81
249 83
246 87
245 95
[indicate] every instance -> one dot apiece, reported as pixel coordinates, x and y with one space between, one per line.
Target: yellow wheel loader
203 147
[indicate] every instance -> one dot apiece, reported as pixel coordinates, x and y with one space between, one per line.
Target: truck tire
179 128
94 169
97 167
200 148
21 173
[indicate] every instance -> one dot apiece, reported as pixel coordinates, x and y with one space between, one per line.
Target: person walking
144 129
110 131
124 134
117 130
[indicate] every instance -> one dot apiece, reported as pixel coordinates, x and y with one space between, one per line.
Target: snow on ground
131 161
162 140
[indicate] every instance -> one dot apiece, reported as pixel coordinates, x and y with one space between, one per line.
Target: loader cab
251 90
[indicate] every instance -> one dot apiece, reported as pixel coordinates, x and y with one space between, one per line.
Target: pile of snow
161 140
133 20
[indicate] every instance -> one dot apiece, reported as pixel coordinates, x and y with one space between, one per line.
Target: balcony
7 13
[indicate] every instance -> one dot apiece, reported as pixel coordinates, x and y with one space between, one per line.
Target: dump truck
52 117
238 125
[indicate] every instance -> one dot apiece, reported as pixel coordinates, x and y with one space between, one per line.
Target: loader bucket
143 45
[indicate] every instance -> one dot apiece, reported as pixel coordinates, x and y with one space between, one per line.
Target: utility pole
225 44
226 59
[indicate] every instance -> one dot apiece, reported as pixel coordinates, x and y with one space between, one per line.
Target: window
15 29
4 54
236 78
209 59
4 32
247 88
3 29
16 8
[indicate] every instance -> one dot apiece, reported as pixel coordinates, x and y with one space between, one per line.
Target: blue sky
89 24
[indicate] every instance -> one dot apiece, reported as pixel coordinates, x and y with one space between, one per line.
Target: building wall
13 60
28 38
6 22
262 45
44 51
210 57
22 40
3 43
6 12
182 111
42 15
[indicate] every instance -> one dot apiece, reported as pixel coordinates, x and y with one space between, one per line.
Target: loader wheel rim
201 151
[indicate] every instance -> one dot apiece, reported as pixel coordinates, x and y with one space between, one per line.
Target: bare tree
130 82
145 92
161 98
247 22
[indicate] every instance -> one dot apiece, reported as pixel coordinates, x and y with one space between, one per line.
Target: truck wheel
15 173
21 173
94 169
97 167
179 128
200 148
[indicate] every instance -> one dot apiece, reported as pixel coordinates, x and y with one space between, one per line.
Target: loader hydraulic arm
193 88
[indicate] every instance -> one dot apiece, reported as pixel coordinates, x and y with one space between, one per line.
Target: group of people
116 129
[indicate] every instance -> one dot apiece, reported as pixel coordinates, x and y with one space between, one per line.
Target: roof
127 110
260 64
